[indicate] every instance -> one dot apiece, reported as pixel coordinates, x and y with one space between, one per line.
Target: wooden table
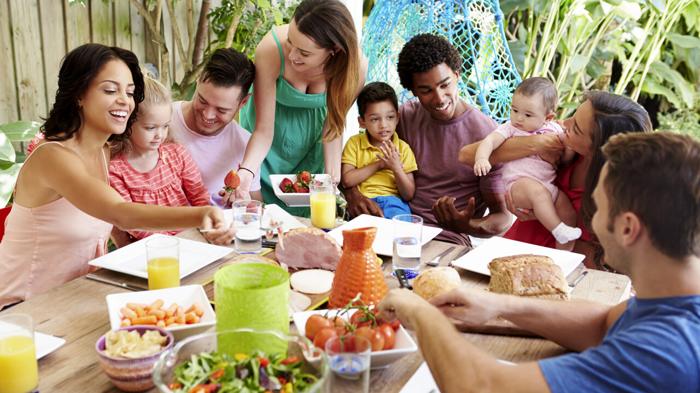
77 312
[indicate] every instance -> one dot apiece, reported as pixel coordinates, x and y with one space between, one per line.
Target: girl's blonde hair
330 25
155 93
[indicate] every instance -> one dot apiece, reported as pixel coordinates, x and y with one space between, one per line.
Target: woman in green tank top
308 74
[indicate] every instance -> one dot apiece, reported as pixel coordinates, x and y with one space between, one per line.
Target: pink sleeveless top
47 246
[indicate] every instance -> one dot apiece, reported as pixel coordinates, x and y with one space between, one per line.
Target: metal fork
436 261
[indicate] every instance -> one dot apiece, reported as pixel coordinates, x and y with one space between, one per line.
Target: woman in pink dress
599 117
63 207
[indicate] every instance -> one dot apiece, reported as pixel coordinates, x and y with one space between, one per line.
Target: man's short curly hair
423 52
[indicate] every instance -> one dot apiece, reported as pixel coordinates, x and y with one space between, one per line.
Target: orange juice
18 365
323 210
163 272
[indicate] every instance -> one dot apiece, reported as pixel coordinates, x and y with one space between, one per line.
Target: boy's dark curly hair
423 52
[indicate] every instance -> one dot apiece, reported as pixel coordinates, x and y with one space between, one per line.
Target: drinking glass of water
408 229
247 216
349 360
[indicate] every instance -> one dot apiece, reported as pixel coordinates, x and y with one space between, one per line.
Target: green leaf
652 87
684 41
681 86
7 151
8 177
20 131
578 62
517 50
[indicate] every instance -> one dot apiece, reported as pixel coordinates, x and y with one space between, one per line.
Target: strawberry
286 185
231 181
298 187
304 177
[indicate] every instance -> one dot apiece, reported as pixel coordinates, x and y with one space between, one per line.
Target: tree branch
149 21
178 37
201 36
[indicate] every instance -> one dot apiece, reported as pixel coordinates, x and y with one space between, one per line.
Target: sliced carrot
147 320
170 321
127 312
160 314
160 324
171 310
156 305
190 317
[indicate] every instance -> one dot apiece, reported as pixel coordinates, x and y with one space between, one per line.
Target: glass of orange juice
322 200
163 262
19 372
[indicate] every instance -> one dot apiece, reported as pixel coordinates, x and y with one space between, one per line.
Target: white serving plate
131 259
46 343
478 259
383 242
380 359
184 296
293 199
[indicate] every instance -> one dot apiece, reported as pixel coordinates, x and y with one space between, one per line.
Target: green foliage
576 43
10 160
256 18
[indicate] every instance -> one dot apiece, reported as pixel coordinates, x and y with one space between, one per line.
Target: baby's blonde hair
155 93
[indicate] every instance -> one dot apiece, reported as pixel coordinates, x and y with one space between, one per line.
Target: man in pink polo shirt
435 126
205 125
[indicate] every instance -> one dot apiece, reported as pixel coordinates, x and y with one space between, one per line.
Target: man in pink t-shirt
205 125
448 194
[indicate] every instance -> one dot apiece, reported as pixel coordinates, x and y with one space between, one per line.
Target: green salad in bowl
212 363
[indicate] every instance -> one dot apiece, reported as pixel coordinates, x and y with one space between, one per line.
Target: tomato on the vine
324 335
373 336
314 324
389 335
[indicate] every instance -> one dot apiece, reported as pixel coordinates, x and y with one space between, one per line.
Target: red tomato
373 335
395 324
359 319
389 335
324 335
346 341
314 324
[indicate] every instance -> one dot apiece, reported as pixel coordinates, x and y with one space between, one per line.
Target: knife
124 285
460 254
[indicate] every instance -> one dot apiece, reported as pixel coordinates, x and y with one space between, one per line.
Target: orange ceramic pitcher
358 270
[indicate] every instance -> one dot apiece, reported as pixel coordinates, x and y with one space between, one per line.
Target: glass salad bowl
257 360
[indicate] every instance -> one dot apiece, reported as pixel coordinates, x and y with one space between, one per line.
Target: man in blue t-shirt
648 222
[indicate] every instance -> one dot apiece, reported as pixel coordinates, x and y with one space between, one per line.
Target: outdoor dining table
77 312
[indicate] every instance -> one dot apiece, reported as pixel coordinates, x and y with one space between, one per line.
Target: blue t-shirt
653 347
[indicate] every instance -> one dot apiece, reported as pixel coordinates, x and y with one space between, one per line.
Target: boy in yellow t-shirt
377 161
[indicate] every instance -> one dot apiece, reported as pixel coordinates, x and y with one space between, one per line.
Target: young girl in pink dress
149 168
530 180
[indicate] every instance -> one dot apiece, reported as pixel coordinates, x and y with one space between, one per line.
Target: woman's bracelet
246 169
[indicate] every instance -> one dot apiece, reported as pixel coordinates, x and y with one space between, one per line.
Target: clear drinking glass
247 217
19 371
163 262
408 229
349 361
322 201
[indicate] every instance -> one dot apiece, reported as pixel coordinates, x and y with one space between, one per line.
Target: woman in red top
599 117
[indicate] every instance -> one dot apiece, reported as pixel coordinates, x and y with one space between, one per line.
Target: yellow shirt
359 153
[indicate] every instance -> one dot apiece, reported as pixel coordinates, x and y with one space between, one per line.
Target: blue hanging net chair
474 27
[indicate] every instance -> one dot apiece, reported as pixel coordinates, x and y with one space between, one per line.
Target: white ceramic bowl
292 199
184 296
380 359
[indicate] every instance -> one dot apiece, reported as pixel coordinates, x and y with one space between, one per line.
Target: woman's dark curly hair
78 69
423 52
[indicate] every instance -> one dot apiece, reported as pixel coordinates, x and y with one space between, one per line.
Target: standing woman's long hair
78 69
330 25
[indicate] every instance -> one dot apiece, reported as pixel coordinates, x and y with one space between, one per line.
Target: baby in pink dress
530 180
151 169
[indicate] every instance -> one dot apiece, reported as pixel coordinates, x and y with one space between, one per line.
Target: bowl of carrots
182 311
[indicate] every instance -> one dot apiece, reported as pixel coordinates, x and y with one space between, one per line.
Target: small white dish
274 212
46 343
184 296
131 259
293 199
383 242
478 259
380 359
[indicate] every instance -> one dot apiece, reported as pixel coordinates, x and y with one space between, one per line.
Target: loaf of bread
436 281
528 275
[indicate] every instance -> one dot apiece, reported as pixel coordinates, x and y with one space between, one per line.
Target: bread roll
436 281
528 275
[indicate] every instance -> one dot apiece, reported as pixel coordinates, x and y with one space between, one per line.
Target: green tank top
298 131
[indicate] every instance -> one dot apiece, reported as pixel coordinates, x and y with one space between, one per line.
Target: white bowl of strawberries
293 190
390 341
